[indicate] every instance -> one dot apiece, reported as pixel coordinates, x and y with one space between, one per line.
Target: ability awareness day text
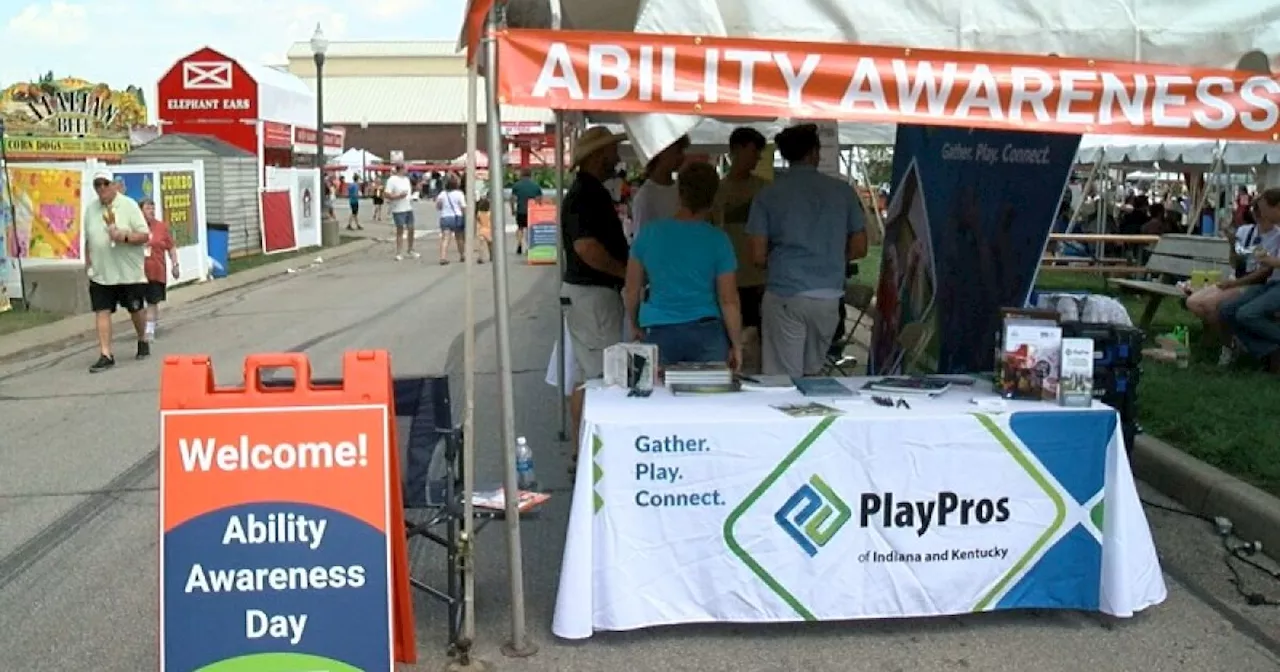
205 455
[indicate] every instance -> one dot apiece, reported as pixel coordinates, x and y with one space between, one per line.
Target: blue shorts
403 220
452 223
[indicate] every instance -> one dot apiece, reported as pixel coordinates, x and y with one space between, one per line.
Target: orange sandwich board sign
281 535
544 236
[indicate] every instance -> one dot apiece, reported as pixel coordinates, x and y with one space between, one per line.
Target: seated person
1251 316
1206 301
682 286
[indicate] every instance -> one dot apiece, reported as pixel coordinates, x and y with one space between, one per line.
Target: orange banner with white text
628 72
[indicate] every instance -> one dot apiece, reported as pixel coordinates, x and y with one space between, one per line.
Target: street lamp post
364 152
319 45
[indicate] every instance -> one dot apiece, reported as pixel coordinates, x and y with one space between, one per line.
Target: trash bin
217 245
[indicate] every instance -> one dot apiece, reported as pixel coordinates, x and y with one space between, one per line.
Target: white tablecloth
723 508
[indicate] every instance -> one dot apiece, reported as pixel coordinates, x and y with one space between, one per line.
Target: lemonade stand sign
69 120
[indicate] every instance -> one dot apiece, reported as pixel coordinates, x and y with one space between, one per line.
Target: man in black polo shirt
595 259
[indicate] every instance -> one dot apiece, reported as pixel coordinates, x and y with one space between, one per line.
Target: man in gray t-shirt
805 227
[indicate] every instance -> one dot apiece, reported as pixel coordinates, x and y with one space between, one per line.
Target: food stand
260 110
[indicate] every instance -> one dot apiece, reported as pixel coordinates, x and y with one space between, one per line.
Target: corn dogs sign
626 72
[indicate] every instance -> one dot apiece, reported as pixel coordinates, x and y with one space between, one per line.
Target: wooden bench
1095 264
1096 269
1175 258
1108 238
1101 261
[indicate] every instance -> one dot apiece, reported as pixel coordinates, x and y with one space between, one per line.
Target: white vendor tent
356 162
1175 153
1182 32
358 157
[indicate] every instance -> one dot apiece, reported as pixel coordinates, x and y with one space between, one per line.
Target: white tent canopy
355 162
282 96
357 158
1175 153
1186 32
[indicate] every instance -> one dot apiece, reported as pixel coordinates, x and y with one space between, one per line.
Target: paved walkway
77 508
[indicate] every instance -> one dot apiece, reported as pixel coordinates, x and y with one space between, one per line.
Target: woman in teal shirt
682 287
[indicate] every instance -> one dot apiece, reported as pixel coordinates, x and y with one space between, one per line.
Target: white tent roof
1175 153
1185 32
282 96
355 158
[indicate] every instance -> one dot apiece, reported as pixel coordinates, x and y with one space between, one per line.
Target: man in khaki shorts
595 259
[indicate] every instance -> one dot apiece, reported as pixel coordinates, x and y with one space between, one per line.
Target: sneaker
1227 356
399 257
104 362
144 350
414 255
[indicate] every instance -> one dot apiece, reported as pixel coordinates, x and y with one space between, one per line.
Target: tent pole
563 386
873 189
469 365
1084 191
1210 191
519 646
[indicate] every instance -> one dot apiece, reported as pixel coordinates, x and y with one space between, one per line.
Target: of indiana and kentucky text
1041 92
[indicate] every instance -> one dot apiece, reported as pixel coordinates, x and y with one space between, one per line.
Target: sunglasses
98 184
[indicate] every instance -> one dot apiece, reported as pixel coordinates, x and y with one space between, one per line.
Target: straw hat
592 140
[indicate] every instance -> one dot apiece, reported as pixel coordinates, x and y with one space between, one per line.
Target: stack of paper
699 375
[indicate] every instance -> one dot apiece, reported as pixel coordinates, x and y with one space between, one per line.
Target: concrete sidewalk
64 332
1209 492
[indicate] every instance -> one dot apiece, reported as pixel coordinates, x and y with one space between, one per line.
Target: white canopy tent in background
1174 154
1182 32
355 162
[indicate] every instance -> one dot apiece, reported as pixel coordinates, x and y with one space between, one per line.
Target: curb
1208 491
79 327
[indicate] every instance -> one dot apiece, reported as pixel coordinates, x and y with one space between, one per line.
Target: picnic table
1176 257
1097 263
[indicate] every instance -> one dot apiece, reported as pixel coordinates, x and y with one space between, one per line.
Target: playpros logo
948 508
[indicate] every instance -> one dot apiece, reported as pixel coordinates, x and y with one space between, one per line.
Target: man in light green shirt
115 245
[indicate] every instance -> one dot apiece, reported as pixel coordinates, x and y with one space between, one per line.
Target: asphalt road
78 508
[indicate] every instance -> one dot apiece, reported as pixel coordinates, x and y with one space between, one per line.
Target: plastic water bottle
525 477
